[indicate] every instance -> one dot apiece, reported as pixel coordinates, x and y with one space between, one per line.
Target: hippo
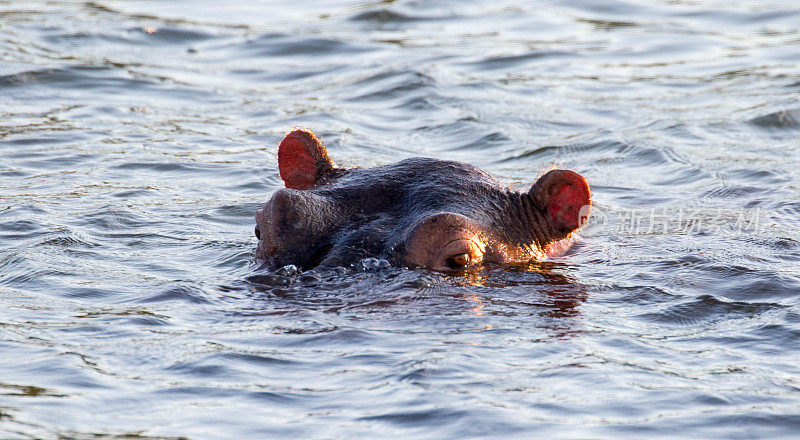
425 213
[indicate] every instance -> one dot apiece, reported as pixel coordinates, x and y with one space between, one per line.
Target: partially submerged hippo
419 212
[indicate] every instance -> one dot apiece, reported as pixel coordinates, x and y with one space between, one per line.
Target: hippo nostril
258 233
460 261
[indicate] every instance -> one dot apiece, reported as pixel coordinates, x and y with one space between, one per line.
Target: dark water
137 138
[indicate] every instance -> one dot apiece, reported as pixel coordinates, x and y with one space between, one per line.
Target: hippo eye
460 261
258 233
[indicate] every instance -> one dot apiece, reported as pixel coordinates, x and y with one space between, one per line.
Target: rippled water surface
137 138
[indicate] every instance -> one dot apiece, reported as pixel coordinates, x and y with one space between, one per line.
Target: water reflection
540 284
536 288
8 389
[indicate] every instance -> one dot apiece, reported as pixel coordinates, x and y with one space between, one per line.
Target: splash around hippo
419 212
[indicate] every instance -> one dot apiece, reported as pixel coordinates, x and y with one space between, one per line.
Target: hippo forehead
412 187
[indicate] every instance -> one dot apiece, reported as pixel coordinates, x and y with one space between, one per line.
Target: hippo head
419 212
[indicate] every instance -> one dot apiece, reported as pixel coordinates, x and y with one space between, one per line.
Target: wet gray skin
420 212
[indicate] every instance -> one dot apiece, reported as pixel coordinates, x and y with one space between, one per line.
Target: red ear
302 159
566 198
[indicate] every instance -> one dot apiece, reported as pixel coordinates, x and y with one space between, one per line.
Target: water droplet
372 264
289 270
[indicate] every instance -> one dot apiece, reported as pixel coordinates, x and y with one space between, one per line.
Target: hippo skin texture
420 212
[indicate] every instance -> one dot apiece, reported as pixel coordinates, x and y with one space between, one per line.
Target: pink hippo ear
565 197
302 159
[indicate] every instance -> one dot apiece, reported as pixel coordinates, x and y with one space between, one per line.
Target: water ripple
137 139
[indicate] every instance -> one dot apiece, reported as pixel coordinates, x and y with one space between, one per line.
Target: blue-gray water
137 138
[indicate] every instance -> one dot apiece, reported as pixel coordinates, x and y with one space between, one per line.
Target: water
137 139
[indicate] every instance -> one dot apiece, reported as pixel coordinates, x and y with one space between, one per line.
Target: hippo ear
302 159
565 198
